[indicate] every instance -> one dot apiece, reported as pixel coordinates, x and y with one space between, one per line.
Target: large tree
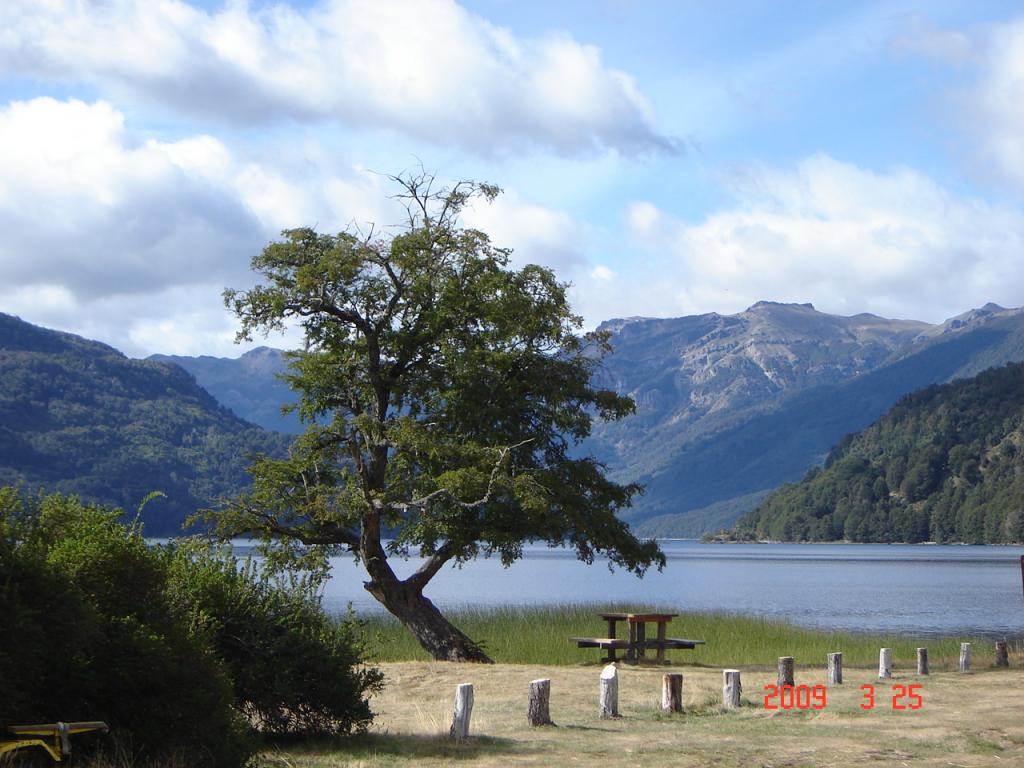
443 392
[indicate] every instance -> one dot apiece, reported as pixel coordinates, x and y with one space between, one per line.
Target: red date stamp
904 697
795 697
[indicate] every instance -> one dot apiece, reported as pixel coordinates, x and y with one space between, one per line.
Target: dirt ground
963 719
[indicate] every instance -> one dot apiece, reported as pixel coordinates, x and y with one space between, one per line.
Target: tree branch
326 534
424 501
429 569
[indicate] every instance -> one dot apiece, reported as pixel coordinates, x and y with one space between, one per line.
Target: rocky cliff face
690 374
731 406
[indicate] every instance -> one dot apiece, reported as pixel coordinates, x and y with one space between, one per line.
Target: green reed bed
522 635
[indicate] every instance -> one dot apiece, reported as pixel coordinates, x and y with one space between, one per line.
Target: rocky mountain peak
770 304
973 318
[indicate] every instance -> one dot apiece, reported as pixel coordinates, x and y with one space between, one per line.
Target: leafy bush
296 670
182 650
89 634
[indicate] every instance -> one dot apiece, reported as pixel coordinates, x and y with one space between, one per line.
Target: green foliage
78 417
182 650
443 391
90 635
295 669
944 464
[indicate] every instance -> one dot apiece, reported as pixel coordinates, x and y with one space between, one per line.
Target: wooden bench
609 643
637 644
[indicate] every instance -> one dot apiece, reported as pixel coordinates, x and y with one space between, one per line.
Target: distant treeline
944 464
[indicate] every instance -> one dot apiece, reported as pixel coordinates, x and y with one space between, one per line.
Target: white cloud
427 68
123 239
86 206
995 103
642 217
987 109
536 234
850 240
131 241
951 45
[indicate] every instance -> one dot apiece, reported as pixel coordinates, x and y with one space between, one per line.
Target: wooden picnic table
636 643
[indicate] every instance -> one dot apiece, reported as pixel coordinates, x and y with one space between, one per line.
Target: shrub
183 650
295 669
88 633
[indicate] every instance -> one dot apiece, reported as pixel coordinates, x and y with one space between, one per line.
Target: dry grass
968 719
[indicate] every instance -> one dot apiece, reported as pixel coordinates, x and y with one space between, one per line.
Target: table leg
631 651
611 633
641 638
661 641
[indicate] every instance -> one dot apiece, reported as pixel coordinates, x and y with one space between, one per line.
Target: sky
666 158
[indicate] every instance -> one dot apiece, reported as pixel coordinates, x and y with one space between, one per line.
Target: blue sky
667 158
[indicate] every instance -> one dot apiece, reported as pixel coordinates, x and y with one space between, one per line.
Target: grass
966 720
513 635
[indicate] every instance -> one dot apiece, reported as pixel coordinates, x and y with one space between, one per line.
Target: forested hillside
78 417
944 464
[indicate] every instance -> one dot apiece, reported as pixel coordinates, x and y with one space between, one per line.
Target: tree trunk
438 636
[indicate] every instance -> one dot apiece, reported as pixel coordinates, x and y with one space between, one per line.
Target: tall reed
521 635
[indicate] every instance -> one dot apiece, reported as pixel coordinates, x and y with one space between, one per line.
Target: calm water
921 590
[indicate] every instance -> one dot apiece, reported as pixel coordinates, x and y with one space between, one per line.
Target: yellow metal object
55 738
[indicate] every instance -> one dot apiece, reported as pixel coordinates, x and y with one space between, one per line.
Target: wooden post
631 650
661 642
885 664
785 670
641 639
538 710
611 634
965 657
1002 655
731 688
672 693
922 661
463 711
835 668
609 701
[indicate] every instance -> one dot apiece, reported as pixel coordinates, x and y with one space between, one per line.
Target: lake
916 589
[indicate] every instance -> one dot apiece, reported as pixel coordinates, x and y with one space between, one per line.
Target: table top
638 617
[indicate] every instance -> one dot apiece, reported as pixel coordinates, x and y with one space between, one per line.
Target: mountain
944 464
772 402
730 407
77 416
249 385
691 377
